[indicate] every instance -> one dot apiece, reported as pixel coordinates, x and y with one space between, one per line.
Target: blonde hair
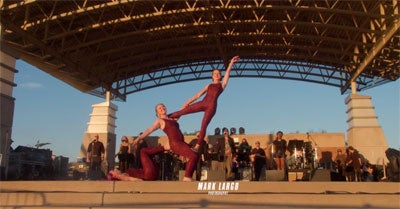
155 108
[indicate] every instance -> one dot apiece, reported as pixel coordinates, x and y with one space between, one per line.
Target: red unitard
208 105
179 146
149 172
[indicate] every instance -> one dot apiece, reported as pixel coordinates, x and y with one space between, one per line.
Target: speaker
275 175
295 176
233 131
217 131
94 175
263 174
217 166
214 175
241 130
321 175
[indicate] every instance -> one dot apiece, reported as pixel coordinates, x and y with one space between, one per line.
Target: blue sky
49 110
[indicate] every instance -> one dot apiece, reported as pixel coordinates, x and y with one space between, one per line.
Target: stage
203 194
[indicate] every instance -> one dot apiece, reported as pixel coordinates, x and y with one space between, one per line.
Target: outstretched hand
166 146
235 59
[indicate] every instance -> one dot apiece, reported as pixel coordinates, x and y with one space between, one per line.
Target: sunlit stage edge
200 194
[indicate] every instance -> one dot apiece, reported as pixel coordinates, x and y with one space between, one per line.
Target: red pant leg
183 149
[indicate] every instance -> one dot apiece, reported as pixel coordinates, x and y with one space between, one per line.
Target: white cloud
31 85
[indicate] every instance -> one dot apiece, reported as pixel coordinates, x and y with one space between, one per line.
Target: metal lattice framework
127 46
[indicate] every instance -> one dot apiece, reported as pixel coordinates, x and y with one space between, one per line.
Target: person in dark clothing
279 146
203 155
226 152
123 154
259 157
95 154
244 150
355 160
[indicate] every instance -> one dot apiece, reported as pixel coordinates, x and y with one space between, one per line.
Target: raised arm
228 71
195 97
156 125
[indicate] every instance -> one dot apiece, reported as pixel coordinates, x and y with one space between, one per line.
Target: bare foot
196 148
187 179
126 177
116 174
133 179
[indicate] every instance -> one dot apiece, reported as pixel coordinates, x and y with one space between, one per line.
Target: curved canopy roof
127 46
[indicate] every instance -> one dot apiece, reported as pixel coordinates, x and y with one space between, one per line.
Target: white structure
102 122
364 132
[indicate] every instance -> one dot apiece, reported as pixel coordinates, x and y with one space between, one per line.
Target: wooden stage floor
174 194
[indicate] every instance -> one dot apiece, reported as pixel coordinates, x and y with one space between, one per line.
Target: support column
7 103
364 132
102 122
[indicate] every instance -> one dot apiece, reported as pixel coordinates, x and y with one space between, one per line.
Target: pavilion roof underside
128 46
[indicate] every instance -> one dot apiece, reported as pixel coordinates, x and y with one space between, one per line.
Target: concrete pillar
7 103
353 87
364 132
102 122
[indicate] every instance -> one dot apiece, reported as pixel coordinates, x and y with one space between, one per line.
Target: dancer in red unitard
148 172
175 139
209 102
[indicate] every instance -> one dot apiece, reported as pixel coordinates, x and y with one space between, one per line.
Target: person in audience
123 154
95 154
355 160
279 147
244 144
258 154
235 167
340 161
227 151
349 168
204 157
244 152
369 173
